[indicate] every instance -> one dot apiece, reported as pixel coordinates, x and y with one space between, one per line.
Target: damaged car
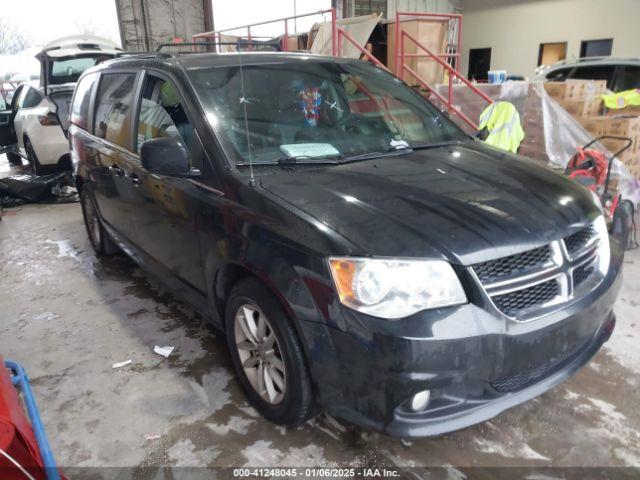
362 254
35 126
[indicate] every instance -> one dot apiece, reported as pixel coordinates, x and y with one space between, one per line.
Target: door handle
116 170
135 179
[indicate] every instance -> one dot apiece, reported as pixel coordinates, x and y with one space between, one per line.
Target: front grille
514 303
526 378
536 282
576 242
518 264
582 274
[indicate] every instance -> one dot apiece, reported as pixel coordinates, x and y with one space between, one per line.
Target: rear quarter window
32 98
114 105
81 101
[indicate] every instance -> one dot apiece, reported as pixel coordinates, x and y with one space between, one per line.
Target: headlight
395 288
604 250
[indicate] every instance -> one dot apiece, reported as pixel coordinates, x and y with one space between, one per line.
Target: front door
8 136
479 64
116 192
167 219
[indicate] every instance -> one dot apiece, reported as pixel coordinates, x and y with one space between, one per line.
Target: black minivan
362 254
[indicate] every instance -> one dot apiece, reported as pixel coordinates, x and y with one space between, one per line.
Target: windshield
313 110
68 70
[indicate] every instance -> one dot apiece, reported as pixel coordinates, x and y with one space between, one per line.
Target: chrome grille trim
560 267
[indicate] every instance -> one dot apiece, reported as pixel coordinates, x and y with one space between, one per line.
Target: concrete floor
68 316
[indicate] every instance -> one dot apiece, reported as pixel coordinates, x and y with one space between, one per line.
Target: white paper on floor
164 351
121 364
45 316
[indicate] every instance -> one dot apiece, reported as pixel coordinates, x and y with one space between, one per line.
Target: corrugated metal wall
144 24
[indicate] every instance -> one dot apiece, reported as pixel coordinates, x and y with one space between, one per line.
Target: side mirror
165 156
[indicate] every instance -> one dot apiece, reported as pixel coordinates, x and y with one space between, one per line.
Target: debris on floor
45 316
65 248
121 364
58 187
164 351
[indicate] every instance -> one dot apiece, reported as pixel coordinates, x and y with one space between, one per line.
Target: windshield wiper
392 151
387 152
425 146
297 160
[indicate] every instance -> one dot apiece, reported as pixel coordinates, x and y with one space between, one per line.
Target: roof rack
194 45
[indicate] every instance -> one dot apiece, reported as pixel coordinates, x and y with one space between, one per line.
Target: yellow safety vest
502 120
616 101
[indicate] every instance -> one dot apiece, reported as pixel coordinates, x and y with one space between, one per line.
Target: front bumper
475 364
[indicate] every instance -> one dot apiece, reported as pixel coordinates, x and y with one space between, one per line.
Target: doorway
596 48
479 64
550 53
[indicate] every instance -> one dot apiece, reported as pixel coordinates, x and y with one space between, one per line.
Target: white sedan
39 115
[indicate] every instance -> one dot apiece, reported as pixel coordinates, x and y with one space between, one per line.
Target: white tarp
563 134
358 28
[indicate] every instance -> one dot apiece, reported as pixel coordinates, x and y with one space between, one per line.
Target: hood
465 203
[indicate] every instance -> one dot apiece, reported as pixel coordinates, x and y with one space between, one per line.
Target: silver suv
620 73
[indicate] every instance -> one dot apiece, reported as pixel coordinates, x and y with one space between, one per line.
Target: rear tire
36 168
99 238
269 358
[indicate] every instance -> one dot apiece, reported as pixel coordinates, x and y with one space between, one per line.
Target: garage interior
85 327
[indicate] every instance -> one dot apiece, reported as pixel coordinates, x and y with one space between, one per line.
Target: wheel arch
232 272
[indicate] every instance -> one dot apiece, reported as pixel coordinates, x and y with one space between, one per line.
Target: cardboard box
593 125
555 89
622 126
595 88
628 111
582 108
576 90
614 145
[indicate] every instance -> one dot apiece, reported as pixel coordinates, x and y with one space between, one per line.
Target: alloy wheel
260 353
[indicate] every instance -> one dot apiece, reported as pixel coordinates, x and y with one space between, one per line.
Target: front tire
98 237
267 355
14 159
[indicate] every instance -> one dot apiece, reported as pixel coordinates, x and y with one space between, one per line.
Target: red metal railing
368 55
334 30
449 60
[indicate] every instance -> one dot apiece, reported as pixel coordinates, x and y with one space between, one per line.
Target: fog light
420 400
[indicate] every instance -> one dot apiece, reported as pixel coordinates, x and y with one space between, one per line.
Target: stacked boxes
629 127
581 98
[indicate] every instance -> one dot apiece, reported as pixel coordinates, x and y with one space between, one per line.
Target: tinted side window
31 98
113 107
558 75
81 99
162 114
594 72
630 78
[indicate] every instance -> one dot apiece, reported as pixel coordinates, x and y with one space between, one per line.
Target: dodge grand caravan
362 255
